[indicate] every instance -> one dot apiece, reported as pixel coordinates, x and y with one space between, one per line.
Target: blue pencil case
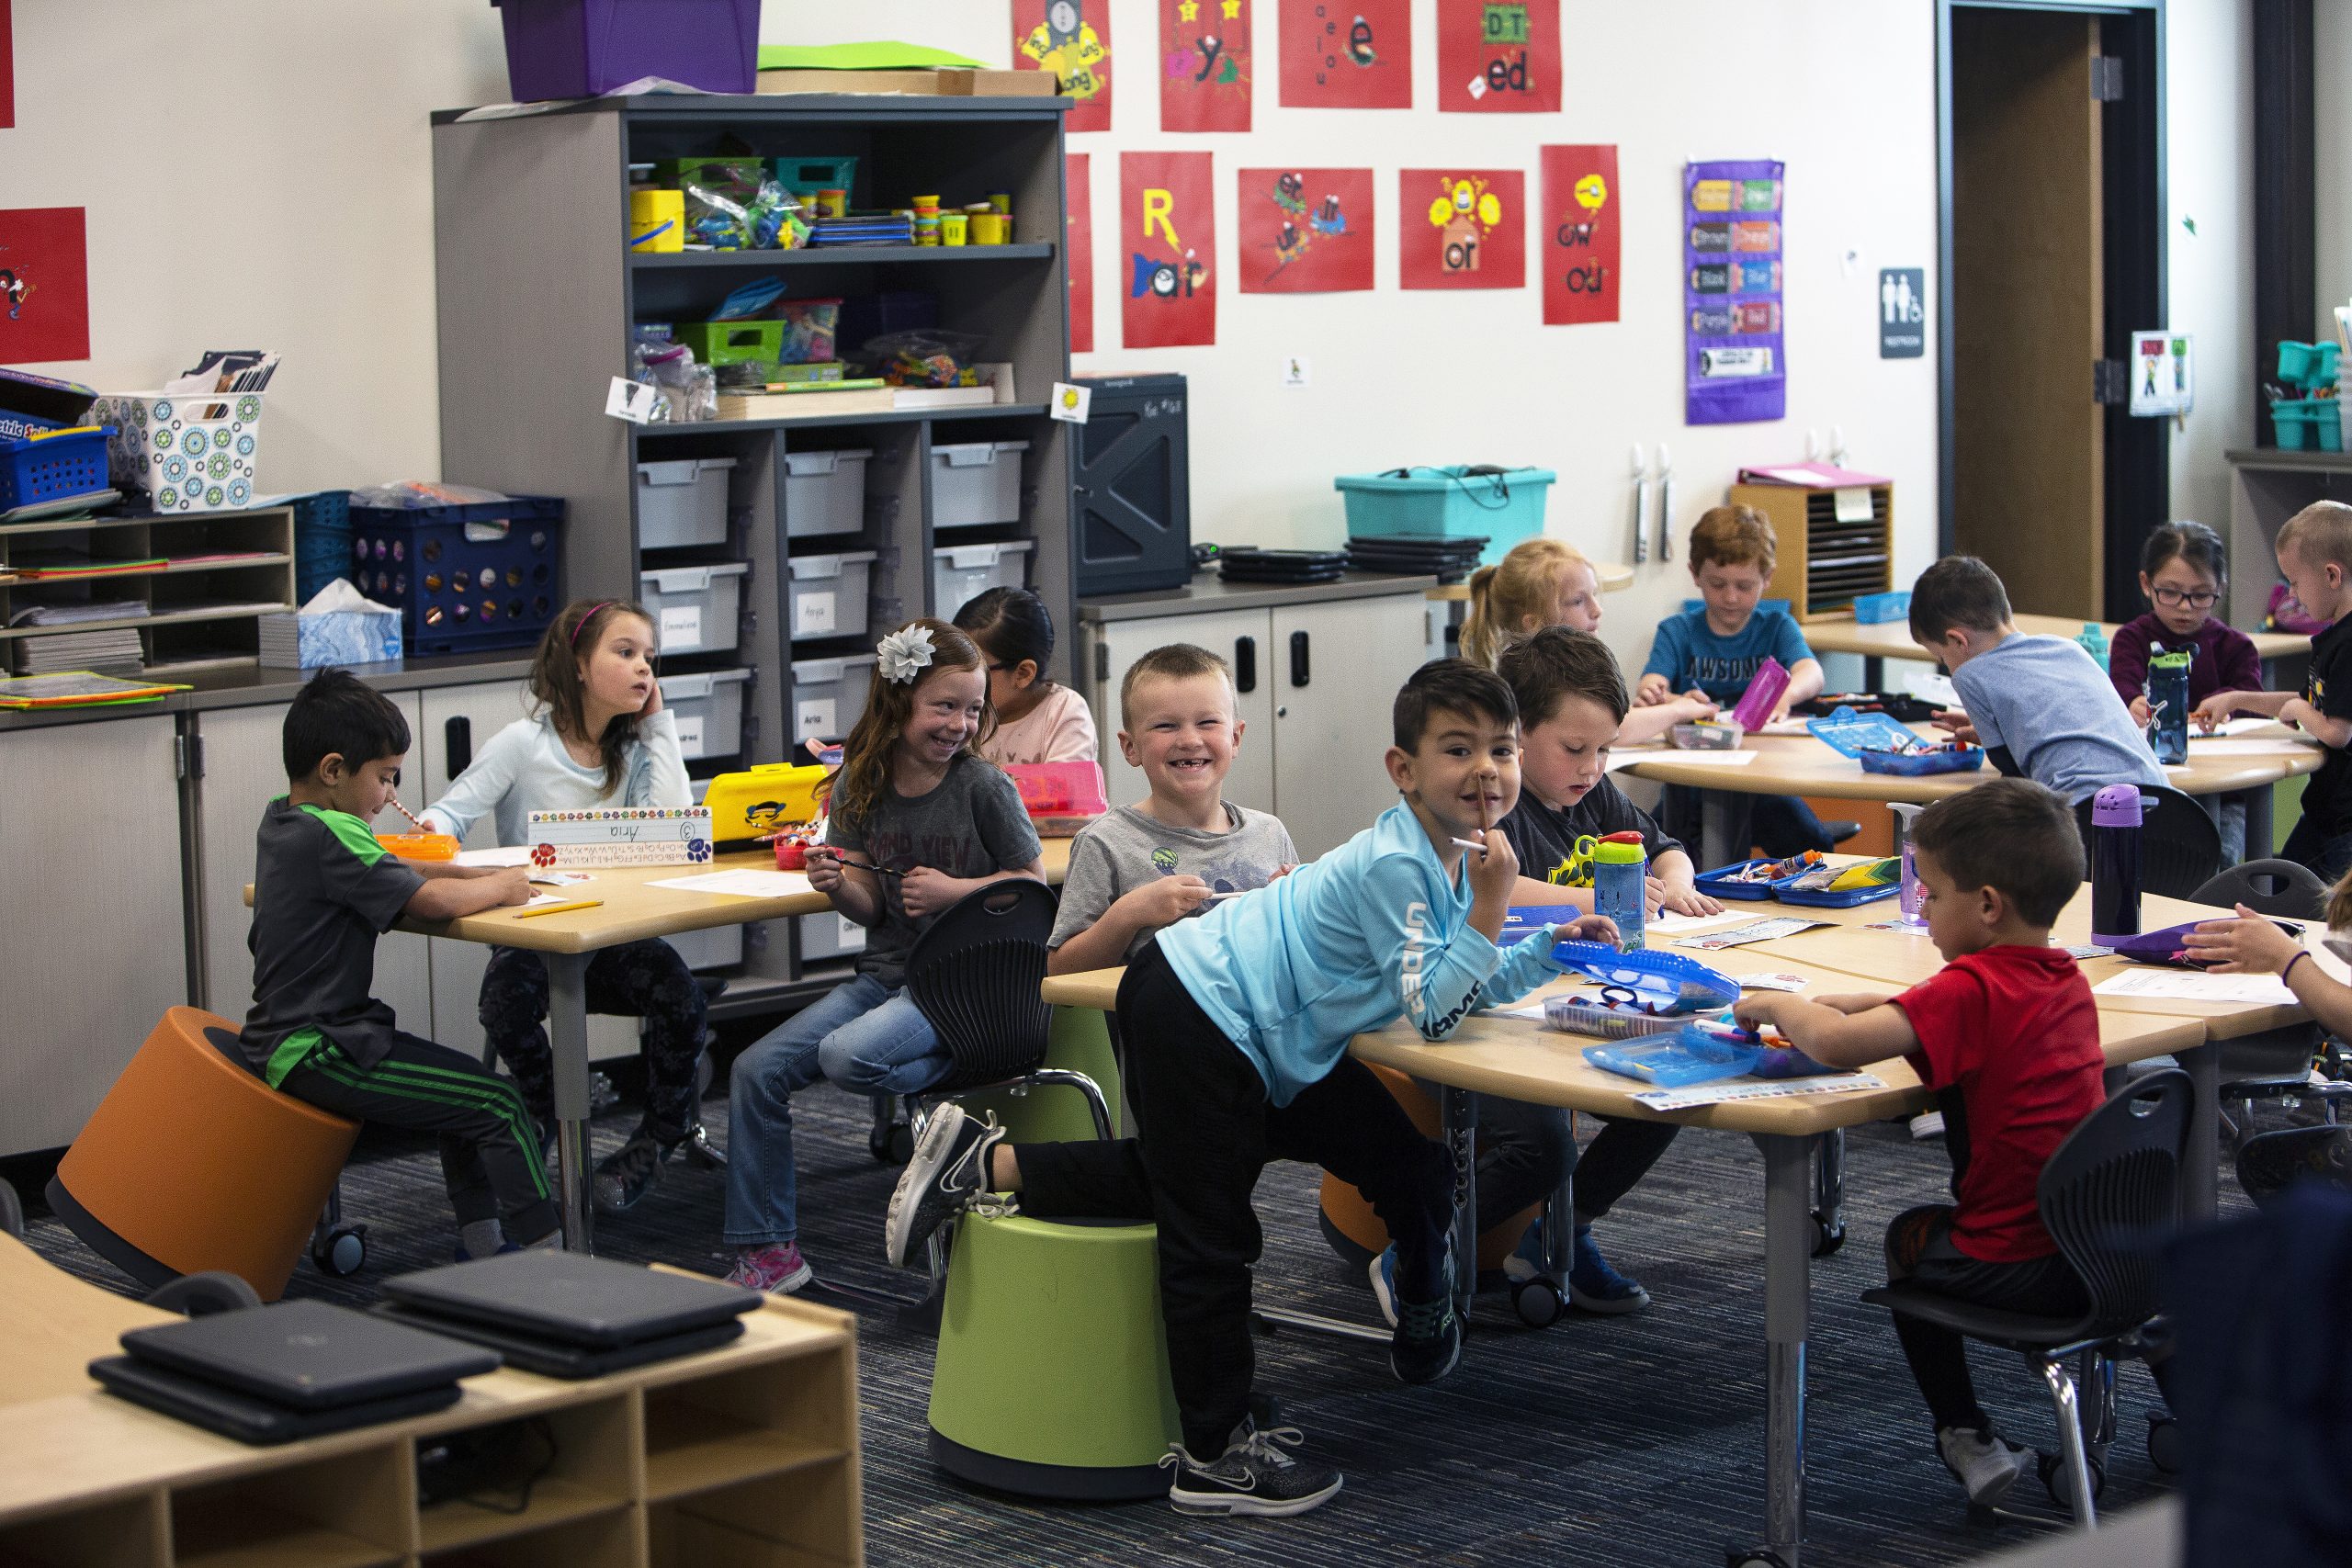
1948 759
1524 920
1695 1054
1721 882
1849 734
1661 982
1787 892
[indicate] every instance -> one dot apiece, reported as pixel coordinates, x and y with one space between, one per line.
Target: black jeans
2327 853
1204 1130
637 979
1918 1247
1524 1150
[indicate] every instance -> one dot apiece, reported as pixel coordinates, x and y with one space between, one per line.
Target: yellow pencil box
752 804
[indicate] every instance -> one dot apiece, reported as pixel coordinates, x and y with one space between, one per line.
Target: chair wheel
2166 1442
2053 1468
1753 1557
341 1252
1828 1235
1537 1302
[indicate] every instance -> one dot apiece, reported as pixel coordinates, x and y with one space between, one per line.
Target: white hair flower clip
903 655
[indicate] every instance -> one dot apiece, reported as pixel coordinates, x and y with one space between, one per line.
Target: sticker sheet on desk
1757 931
1776 1088
1461 228
1734 363
1499 56
1072 40
1079 226
1167 250
1346 55
1578 235
1306 230
1206 65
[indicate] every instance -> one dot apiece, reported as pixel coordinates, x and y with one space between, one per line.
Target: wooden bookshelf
197 609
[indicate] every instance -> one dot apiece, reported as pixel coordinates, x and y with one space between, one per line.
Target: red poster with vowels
1347 55
1578 232
44 285
1168 249
1078 255
1499 56
1303 230
1461 229
1206 65
1072 40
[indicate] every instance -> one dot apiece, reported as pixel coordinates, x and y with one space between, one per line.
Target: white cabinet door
244 769
96 951
1334 671
1238 636
458 722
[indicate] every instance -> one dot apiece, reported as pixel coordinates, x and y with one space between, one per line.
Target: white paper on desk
559 878
1772 982
1697 759
541 901
1796 727
1532 1010
742 884
1671 924
2197 986
1756 1089
1625 757
517 855
1765 929
2231 727
2270 746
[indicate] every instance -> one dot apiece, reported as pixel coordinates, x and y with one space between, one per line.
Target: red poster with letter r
44 285
1347 55
1499 56
1167 242
1578 235
1080 253
1461 229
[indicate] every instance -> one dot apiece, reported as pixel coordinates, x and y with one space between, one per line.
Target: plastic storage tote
828 695
1505 505
962 572
709 706
713 947
824 492
830 935
681 502
51 466
974 483
695 608
322 541
189 454
480 575
580 49
827 594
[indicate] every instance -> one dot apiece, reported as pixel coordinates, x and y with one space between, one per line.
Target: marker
560 908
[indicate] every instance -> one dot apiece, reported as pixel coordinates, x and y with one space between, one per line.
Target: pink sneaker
777 1267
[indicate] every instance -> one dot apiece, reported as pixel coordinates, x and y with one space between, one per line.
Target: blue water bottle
2168 706
1619 882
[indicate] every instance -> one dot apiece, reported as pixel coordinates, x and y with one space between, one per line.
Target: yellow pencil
560 908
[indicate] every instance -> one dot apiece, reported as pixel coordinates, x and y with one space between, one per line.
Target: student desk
1891 639
631 910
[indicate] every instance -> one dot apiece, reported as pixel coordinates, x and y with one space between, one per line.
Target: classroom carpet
1600 1440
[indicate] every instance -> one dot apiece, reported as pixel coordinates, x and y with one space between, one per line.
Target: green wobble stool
1052 1376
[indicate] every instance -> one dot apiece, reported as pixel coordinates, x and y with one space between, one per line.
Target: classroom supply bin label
1462 228
1167 235
1072 40
1733 368
1205 65
1499 56
1347 55
1306 230
1581 235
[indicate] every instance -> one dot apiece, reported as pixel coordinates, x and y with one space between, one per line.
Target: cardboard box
943 83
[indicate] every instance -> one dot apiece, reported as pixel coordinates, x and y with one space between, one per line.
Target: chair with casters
2276 1064
2180 847
191 1163
2110 1196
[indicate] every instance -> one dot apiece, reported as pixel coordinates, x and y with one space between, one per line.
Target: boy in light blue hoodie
1236 1027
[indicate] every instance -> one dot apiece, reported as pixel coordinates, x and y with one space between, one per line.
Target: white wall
2332 163
2209 123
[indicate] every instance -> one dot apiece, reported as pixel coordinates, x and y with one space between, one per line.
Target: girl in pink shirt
1037 720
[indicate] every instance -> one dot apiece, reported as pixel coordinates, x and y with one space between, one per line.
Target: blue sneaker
1384 1284
1595 1286
1526 1260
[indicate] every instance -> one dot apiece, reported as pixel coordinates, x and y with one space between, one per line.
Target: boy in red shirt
2007 1035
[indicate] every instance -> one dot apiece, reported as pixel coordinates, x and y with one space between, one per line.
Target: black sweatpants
637 979
490 1152
1204 1130
1918 1247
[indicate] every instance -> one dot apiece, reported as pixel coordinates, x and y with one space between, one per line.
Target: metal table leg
1830 1213
2259 843
1788 1237
568 1041
2200 1174
1874 673
1460 1107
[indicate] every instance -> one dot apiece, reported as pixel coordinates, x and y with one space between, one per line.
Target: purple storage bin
578 48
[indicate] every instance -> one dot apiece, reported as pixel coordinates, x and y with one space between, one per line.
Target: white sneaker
1987 1465
1927 1125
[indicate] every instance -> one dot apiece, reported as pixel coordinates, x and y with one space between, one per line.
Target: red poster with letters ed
1072 40
1461 229
1578 231
44 285
1205 65
1080 252
1304 231
1499 56
1167 242
1347 55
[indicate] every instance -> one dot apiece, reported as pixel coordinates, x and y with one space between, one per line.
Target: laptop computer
594 1302
307 1356
244 1416
553 1358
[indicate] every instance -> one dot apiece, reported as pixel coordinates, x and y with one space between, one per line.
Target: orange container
420 846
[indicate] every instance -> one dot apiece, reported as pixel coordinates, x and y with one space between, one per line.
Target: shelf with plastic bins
840 255
818 421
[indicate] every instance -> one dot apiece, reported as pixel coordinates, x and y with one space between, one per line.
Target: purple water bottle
2115 863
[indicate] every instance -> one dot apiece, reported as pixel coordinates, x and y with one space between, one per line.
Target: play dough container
420 846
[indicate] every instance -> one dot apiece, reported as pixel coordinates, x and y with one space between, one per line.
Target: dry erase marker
560 908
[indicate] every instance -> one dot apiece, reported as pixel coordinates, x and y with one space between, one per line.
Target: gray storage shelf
837 255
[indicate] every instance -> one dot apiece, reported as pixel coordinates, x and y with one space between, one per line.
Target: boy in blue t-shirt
1715 649
1236 1026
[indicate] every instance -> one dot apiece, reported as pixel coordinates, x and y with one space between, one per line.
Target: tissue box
191 452
337 626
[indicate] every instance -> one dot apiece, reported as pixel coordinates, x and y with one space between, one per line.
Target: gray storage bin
824 492
962 572
709 706
695 608
827 594
828 695
681 502
713 947
830 935
974 483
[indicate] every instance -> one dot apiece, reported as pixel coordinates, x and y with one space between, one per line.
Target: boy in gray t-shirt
1150 865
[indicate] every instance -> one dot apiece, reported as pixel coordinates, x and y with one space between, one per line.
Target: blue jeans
862 1036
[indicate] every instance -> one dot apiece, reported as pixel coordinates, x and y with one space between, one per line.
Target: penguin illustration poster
44 285
1499 56
1167 250
1303 230
1206 65
1079 221
1461 229
1578 232
1072 40
1347 55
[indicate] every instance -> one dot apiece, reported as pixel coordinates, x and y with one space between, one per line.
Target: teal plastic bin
2295 422
1504 505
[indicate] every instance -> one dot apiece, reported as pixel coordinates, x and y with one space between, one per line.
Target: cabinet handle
1299 675
1245 664
457 747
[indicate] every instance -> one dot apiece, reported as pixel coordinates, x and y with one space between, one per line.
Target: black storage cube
1131 487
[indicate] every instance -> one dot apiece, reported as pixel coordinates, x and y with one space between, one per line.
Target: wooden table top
1612 578
52 1325
1800 764
1891 639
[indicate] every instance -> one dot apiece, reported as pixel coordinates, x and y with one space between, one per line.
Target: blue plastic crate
322 541
54 468
1504 505
464 577
1877 609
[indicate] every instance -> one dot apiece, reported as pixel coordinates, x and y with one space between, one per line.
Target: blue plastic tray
1665 982
1692 1055
1849 734
1918 765
1718 883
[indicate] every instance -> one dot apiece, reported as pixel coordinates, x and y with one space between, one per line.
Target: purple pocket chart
1735 363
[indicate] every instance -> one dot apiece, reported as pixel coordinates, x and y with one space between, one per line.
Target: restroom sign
1901 312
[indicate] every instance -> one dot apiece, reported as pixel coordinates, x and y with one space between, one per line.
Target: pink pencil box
1060 797
1764 689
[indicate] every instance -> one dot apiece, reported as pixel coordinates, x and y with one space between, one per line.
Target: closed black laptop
550 1357
248 1417
308 1356
572 1298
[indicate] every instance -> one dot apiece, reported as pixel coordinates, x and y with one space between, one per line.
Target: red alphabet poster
1072 40
1078 252
1461 229
1304 231
1499 56
44 285
1205 65
1579 231
1168 240
1347 55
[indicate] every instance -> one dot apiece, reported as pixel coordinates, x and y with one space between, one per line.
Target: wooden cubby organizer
199 610
538 295
1825 563
744 1456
